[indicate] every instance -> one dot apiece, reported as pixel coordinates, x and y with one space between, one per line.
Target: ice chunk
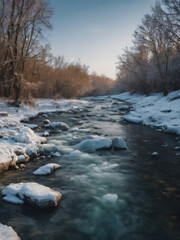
7 233
133 119
34 194
13 199
94 144
60 125
46 169
118 142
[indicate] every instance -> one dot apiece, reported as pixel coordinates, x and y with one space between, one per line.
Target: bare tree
21 26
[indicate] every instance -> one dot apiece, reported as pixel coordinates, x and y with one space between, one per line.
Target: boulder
46 169
31 193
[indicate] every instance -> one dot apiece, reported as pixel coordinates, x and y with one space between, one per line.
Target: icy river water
109 194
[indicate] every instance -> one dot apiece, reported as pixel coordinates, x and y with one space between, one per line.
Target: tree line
152 64
27 68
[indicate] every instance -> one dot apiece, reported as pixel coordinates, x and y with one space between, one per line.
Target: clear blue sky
95 31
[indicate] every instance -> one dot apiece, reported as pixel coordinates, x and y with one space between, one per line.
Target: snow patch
7 233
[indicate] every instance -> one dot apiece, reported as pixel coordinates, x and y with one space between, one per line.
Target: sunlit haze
95 31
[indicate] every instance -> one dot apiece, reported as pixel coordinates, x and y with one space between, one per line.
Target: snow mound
118 142
46 169
7 233
60 125
33 194
26 135
6 152
91 145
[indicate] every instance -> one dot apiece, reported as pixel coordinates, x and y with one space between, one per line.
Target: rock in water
7 233
118 142
46 121
91 145
60 125
155 154
32 194
46 169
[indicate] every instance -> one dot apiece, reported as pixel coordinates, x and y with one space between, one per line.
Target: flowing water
108 194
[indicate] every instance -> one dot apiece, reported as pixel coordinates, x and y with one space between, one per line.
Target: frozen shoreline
156 110
18 140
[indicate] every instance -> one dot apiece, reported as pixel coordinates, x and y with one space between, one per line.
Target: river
109 194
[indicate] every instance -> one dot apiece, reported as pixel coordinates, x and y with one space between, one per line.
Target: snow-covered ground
7 233
17 140
156 110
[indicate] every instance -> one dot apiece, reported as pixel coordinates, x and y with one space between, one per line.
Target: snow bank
7 233
16 135
46 169
33 194
26 135
155 110
91 145
16 144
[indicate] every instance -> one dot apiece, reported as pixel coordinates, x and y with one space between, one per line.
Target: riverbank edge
12 121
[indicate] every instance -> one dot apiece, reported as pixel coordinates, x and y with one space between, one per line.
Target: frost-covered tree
21 25
152 64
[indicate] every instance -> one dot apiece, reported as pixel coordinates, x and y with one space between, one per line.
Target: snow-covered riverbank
18 140
156 110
